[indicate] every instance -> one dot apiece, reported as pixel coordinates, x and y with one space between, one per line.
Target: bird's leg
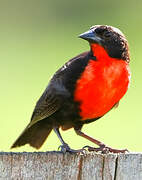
102 147
65 147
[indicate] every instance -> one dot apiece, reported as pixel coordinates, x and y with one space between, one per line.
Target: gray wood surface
58 166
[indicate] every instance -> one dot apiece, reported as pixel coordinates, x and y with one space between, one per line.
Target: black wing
59 88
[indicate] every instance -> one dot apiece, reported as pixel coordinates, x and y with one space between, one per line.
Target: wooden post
58 166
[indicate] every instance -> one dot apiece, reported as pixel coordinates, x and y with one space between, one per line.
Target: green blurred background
36 38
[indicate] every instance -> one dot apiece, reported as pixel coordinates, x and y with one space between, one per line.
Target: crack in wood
103 165
116 165
79 177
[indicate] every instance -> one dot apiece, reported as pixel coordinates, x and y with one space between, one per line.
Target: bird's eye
99 31
107 34
103 32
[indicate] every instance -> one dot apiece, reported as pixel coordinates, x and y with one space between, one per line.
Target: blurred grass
36 38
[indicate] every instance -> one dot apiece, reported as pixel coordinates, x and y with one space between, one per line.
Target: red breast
102 84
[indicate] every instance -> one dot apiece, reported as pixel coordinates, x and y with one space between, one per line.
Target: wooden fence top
59 166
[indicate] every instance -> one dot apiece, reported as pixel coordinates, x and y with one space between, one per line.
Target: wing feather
56 92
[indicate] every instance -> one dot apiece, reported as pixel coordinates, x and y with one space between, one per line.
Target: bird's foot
65 148
105 149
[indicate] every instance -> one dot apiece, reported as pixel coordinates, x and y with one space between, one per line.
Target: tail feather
34 135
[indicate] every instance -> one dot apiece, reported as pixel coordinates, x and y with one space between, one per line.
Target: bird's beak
90 36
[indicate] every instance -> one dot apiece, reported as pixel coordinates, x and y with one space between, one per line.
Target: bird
82 91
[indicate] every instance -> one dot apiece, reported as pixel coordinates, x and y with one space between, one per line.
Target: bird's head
110 38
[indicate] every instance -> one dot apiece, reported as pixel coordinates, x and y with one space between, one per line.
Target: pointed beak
90 36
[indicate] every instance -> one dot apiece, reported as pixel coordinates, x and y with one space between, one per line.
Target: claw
116 150
65 148
104 149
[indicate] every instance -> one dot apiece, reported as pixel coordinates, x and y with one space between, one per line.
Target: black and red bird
83 90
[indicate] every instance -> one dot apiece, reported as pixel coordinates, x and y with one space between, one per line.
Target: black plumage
57 107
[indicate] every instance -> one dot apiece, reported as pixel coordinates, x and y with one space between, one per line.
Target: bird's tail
34 135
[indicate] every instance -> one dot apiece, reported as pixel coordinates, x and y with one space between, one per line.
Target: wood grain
59 166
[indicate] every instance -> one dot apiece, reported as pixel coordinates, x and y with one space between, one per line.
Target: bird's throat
99 52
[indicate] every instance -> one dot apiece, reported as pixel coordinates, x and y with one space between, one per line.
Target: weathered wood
58 166
129 167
